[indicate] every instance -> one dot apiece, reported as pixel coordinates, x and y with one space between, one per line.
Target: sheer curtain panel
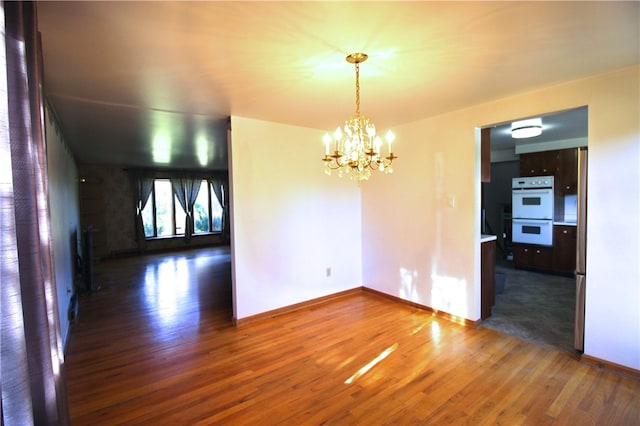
32 364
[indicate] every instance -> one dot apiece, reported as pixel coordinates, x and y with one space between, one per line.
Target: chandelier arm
334 159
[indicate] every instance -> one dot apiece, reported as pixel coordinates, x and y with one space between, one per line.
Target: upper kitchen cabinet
562 164
544 163
567 179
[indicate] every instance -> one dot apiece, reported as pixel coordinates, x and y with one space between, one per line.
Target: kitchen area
534 202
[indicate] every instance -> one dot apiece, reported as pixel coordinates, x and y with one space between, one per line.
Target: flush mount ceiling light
357 150
526 128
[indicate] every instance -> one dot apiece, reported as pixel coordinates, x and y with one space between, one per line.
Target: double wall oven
532 214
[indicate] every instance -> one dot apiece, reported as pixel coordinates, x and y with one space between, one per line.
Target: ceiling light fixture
526 128
357 150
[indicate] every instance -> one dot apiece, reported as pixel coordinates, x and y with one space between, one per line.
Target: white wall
290 220
420 236
612 323
419 223
63 205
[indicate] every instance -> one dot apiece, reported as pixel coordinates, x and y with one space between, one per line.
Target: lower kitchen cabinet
561 258
487 278
564 248
532 256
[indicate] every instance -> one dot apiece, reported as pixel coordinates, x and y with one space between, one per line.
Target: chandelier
356 149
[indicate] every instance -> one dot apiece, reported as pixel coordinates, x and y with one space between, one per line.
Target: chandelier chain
357 88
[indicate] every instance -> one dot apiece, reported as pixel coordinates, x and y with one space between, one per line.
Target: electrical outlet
328 271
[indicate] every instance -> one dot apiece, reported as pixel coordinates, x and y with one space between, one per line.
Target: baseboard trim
295 307
602 364
357 290
440 314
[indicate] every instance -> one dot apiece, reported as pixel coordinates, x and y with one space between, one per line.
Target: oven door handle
541 191
532 221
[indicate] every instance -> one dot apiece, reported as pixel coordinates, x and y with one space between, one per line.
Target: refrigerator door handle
581 252
578 339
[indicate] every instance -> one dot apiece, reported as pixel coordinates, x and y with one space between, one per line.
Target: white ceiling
558 126
143 83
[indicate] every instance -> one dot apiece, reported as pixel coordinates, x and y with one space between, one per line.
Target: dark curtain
186 191
141 184
32 364
220 188
226 223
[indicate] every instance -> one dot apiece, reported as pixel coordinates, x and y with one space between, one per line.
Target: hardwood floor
156 346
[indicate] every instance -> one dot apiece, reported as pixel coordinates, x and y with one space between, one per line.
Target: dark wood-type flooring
156 346
535 306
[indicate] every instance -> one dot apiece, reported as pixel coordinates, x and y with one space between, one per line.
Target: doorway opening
536 284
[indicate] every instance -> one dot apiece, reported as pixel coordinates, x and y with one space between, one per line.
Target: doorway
535 303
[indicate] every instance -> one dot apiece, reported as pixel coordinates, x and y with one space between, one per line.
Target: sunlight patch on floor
166 290
372 364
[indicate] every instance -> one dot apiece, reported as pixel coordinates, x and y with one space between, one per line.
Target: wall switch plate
328 271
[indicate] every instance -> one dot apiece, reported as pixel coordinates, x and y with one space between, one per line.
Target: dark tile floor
535 306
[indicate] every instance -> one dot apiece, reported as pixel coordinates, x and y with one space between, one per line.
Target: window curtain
220 188
32 363
141 184
226 224
186 191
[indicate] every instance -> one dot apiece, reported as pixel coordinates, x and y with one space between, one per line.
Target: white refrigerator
581 252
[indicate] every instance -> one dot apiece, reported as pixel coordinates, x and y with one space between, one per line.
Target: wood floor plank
156 346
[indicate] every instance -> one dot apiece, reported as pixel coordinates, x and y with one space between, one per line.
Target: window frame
209 205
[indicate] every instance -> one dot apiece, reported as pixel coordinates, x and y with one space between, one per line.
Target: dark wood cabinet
567 178
485 155
544 163
562 164
528 164
533 256
487 278
560 258
564 249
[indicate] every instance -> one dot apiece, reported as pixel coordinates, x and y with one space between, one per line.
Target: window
163 216
201 212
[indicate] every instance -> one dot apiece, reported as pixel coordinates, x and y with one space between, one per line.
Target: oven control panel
532 182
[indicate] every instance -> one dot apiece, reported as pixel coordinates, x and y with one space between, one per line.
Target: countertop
485 238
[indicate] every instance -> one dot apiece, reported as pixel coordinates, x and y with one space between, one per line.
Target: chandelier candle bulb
390 138
327 142
378 144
